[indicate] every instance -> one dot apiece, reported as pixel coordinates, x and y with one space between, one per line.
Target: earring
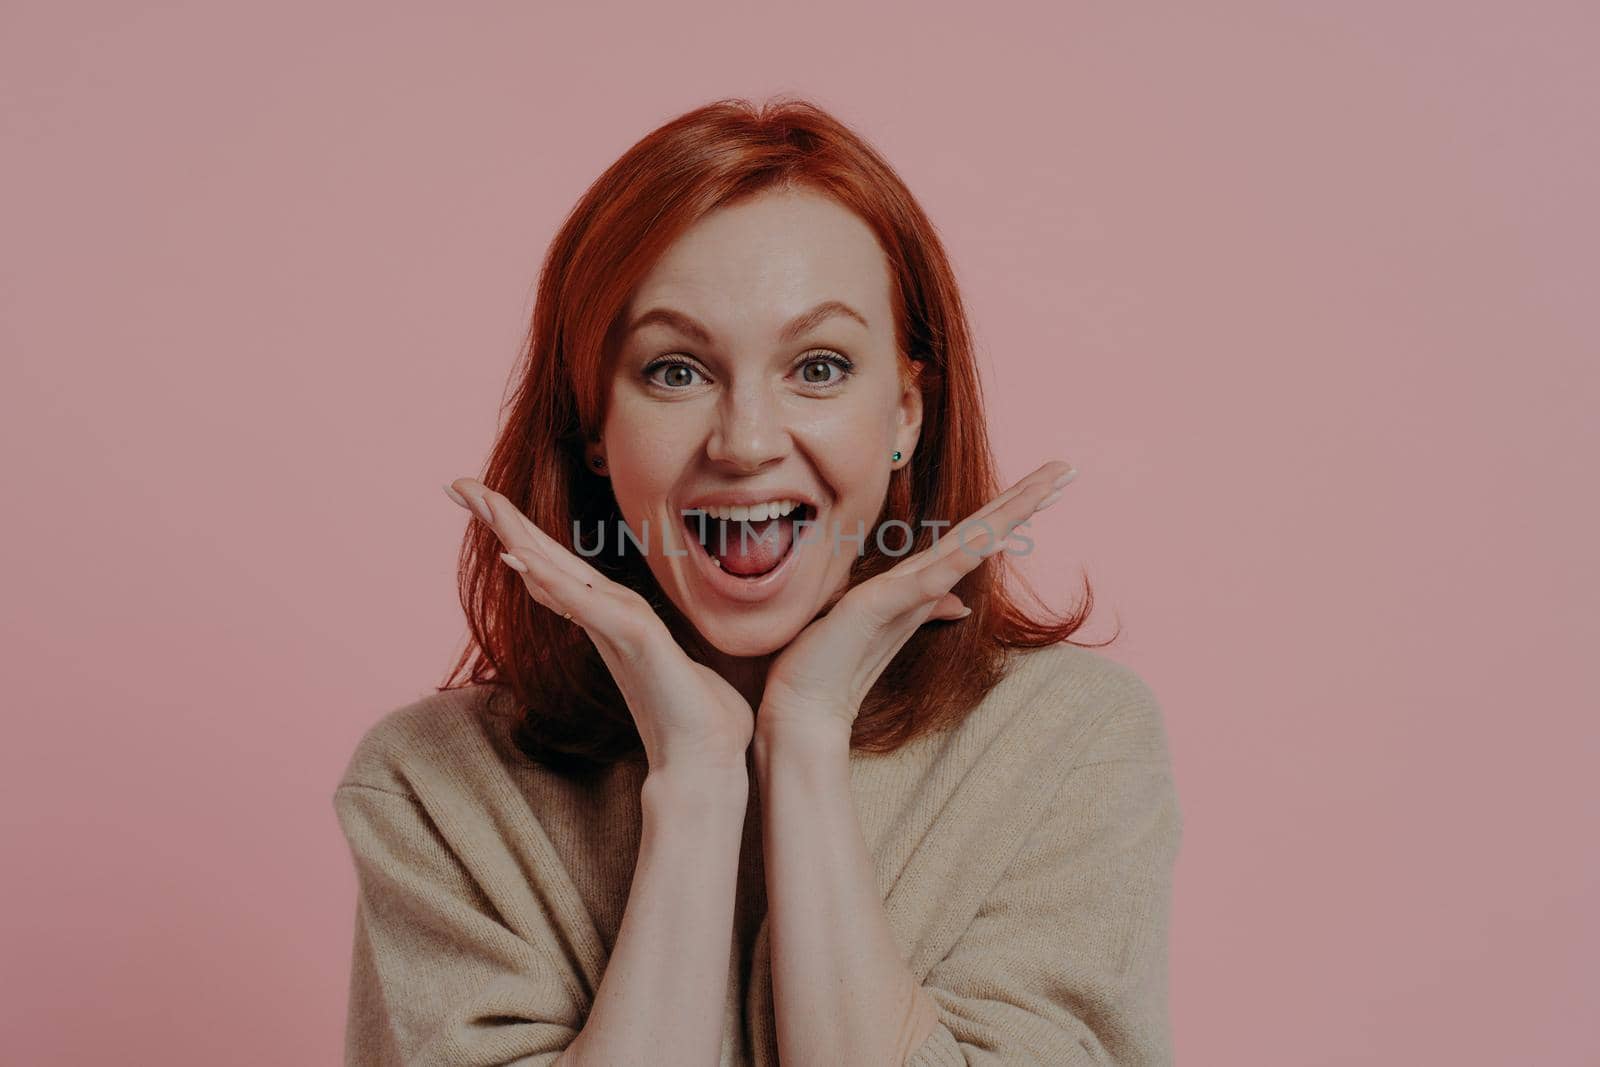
599 463
896 457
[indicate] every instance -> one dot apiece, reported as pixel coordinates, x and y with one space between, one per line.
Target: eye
814 369
680 372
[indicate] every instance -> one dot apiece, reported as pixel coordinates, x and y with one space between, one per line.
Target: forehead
754 264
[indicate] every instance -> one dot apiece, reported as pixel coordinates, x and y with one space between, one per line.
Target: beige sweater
1024 858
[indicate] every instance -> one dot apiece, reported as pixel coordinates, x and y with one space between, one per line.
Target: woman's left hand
823 675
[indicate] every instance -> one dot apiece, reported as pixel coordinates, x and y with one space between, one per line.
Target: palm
831 665
708 716
684 710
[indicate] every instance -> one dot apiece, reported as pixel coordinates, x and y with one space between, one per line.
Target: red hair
573 717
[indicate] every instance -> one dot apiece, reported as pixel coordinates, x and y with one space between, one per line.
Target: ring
566 614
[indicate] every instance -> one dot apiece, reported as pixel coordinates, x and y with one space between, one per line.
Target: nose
749 431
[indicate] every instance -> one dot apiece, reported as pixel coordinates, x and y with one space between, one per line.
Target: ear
909 427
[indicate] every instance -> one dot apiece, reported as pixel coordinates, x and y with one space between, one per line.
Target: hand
823 675
685 711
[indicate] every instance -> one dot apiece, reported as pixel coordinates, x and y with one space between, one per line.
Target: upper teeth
751 512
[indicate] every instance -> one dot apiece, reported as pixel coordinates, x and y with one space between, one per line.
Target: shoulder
443 731
1094 707
1101 737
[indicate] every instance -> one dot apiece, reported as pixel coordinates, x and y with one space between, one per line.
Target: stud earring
599 463
896 457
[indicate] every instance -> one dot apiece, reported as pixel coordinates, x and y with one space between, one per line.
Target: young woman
757 757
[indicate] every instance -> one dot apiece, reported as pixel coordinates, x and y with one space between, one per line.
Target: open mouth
746 549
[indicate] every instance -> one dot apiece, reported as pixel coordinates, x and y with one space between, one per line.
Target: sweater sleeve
436 976
1065 962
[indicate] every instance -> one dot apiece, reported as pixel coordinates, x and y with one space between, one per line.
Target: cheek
851 447
646 446
649 459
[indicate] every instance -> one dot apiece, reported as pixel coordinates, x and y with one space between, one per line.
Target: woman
720 541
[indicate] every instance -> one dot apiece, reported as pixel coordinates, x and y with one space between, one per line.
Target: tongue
757 551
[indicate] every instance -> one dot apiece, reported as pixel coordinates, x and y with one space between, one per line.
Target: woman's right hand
687 714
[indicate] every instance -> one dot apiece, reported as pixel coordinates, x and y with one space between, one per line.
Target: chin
746 638
744 615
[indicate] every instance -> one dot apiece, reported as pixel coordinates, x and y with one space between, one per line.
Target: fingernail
1047 501
514 563
1065 478
480 507
964 613
450 491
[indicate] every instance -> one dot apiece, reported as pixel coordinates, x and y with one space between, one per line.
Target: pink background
1305 293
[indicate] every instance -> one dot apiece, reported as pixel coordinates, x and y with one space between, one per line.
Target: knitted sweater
1024 858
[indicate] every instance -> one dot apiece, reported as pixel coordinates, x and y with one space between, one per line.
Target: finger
616 618
924 578
941 575
530 565
903 599
515 528
467 495
557 590
1032 484
918 584
927 587
1014 506
986 529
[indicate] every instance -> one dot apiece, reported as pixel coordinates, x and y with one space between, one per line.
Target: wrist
816 735
710 786
713 759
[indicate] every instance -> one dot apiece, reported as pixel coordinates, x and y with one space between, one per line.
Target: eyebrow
797 327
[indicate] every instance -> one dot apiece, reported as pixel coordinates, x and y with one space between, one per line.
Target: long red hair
573 717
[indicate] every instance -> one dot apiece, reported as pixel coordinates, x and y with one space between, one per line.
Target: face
733 388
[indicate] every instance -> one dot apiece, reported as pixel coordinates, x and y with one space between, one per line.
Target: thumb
950 607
